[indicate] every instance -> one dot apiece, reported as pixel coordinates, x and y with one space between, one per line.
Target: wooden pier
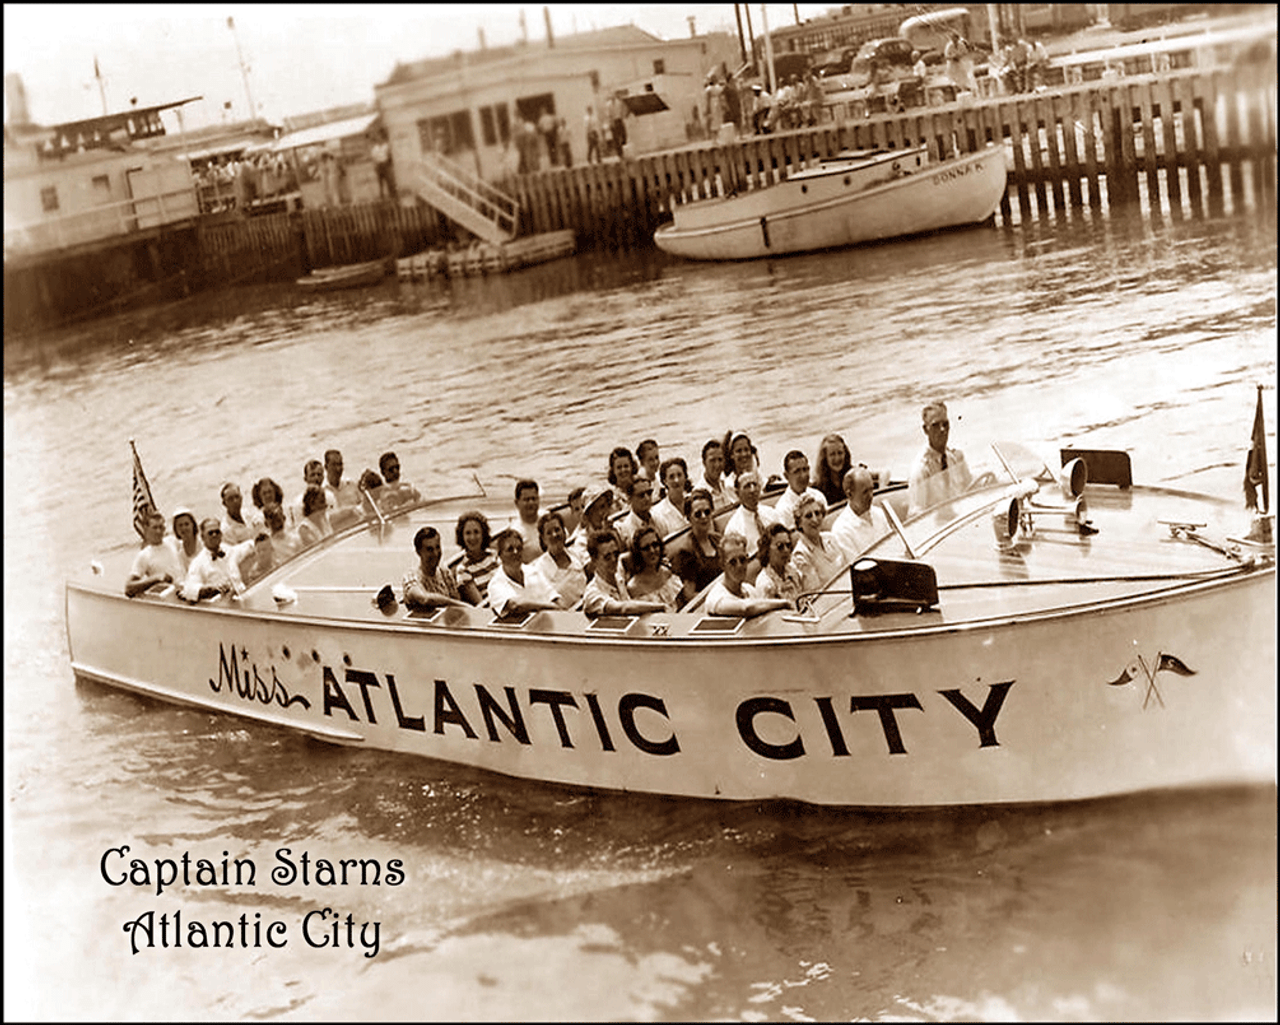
1182 141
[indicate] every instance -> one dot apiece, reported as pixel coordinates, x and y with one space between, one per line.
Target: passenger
728 595
795 466
315 525
156 563
236 525
285 543
572 512
860 524
939 473
312 473
603 597
597 504
511 590
525 522
561 569
711 480
668 514
740 455
372 501
777 578
751 518
395 492
833 462
343 493
817 557
697 563
478 561
430 585
622 469
640 497
650 459
650 579
215 570
186 539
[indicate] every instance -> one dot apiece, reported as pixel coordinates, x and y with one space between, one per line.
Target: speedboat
1043 636
857 197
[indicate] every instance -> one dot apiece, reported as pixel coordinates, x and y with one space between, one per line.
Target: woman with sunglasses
698 562
650 580
777 577
730 595
817 558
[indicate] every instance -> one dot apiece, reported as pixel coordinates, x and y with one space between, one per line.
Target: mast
244 69
768 51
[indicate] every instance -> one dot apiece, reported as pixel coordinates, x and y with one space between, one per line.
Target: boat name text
950 174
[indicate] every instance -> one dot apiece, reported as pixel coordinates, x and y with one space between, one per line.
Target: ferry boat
1045 636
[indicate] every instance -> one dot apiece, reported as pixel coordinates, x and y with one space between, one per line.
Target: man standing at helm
939 473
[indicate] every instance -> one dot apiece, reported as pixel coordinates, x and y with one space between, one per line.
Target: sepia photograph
714 512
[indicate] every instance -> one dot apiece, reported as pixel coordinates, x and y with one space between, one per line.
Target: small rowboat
351 275
1002 646
862 197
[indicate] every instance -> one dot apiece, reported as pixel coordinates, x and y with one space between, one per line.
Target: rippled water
531 901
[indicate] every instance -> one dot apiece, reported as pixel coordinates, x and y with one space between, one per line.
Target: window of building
101 187
446 134
530 108
49 198
504 122
488 130
659 67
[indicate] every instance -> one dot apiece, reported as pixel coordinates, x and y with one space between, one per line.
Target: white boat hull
1015 708
832 208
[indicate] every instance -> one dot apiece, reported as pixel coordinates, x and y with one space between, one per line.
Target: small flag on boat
1123 678
143 503
1255 464
1174 665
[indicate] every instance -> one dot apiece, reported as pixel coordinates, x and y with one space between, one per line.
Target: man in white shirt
751 518
860 524
238 525
215 570
603 596
342 493
939 473
668 515
156 563
712 469
511 590
641 498
525 521
795 467
730 595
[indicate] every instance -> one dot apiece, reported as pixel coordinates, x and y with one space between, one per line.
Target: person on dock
751 518
795 467
562 569
237 525
591 124
603 596
430 585
380 152
729 595
668 514
525 520
156 563
216 570
511 590
939 472
860 524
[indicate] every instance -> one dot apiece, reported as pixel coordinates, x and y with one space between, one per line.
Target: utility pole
102 89
244 68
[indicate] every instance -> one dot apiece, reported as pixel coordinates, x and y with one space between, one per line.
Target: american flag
1255 464
143 503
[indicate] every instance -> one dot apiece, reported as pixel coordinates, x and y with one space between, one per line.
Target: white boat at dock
866 196
995 650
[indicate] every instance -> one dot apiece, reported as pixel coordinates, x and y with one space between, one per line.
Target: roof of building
324 133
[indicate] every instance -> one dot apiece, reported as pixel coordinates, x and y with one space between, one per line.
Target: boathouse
468 106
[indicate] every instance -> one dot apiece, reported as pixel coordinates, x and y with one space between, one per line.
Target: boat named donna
1004 646
858 197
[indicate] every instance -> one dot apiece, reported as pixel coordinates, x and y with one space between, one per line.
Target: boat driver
939 473
215 571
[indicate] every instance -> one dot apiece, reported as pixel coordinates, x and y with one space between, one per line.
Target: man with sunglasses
729 595
216 571
939 473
